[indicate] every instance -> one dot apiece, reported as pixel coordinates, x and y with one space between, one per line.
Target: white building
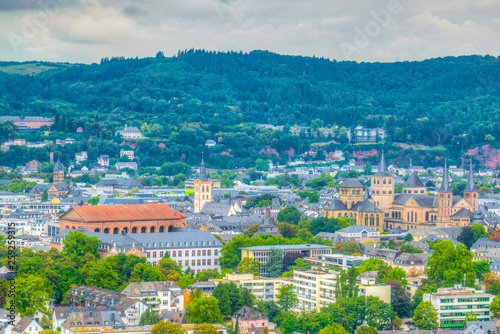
130 133
128 153
80 157
26 325
452 305
160 296
103 160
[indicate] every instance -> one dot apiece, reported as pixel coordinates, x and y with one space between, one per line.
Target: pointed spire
203 172
382 167
58 166
445 185
471 183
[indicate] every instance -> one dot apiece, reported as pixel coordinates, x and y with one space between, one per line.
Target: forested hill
451 101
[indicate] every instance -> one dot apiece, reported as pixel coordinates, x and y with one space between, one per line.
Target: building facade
202 189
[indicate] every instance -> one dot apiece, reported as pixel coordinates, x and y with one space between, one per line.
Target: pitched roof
351 183
414 181
356 229
382 168
365 206
58 166
462 213
248 313
113 213
337 204
22 325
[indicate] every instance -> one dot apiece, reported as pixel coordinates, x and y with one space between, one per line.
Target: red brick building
115 219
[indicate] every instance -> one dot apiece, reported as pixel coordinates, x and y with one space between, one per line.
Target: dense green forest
182 101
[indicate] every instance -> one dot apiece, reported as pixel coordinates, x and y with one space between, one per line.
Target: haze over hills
451 102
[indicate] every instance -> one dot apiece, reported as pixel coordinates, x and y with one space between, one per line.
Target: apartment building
261 253
263 288
160 296
336 261
452 305
315 289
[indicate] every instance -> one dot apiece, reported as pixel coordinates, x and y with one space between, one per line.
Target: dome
478 217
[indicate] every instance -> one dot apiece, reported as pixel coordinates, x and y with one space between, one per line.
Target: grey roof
478 217
356 229
365 206
422 200
120 183
479 327
471 184
445 185
22 325
414 181
203 172
191 239
248 313
351 183
40 188
131 129
382 168
58 166
462 213
216 209
486 243
134 289
336 205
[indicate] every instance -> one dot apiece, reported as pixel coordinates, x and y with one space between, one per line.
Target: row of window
194 263
199 252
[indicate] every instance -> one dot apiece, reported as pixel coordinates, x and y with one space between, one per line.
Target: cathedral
410 209
58 187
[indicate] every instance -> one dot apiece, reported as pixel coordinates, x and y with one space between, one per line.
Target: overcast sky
360 30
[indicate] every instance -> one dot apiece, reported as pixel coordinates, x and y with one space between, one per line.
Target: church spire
445 185
203 172
471 184
382 167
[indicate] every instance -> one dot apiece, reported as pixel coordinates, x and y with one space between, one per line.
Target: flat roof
286 247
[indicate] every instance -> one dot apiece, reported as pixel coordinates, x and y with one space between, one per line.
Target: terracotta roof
112 213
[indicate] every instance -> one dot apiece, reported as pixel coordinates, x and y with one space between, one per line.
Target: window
161 254
216 252
209 252
209 262
204 252
193 253
186 253
174 254
199 252
216 262
193 262
198 262
186 263
154 254
204 262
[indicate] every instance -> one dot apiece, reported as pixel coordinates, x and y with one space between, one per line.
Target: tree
205 329
394 274
170 269
93 200
274 264
248 266
479 232
45 196
348 248
250 231
287 297
145 272
367 169
490 279
100 274
149 318
79 244
481 268
290 215
408 237
204 310
248 297
471 316
495 306
372 265
466 236
221 292
448 264
69 276
185 281
366 330
346 287
31 295
400 299
426 316
334 329
166 327
418 296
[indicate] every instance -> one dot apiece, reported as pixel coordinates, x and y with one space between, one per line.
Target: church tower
58 176
202 189
445 196
382 184
470 191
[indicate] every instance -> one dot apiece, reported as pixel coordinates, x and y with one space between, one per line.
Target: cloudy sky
360 30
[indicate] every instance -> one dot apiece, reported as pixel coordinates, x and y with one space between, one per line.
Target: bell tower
202 189
58 175
445 196
382 184
470 192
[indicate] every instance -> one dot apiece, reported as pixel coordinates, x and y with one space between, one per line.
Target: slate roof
216 209
351 183
356 229
248 314
365 206
471 184
414 181
445 185
462 213
131 129
58 166
40 188
134 289
485 243
113 213
22 325
120 183
337 204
